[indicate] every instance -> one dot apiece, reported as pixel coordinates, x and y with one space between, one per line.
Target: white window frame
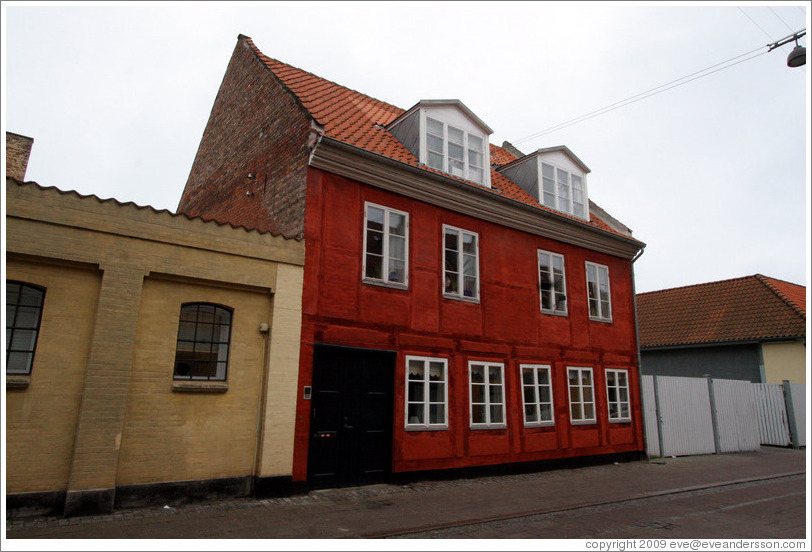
553 292
486 395
426 402
580 386
384 280
565 204
619 402
460 258
604 310
466 148
534 387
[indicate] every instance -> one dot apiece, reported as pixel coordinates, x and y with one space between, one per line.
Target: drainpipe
637 343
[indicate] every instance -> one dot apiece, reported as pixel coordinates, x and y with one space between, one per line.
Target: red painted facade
506 326
254 168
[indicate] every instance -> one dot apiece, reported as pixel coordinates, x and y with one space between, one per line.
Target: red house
464 304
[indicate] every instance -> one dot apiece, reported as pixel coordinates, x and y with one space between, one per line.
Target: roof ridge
765 280
129 204
261 55
696 285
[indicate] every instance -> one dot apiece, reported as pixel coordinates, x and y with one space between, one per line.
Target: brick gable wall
18 148
255 128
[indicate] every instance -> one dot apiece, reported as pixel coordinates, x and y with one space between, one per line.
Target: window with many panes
537 395
455 151
23 317
204 335
487 393
460 263
598 293
386 245
552 284
582 396
426 393
617 392
563 190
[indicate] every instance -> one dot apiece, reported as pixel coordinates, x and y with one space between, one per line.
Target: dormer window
454 151
563 190
555 177
446 136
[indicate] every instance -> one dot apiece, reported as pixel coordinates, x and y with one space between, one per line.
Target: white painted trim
600 317
384 280
618 420
487 425
537 403
565 312
460 277
427 426
583 421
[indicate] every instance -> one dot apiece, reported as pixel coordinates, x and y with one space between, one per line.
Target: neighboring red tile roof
741 309
359 120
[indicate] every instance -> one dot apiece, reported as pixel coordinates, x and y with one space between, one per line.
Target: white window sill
381 283
604 320
192 386
584 422
554 313
483 426
539 424
473 300
17 381
621 421
426 428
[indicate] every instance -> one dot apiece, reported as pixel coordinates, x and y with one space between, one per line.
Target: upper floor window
204 335
487 392
552 284
455 151
460 263
23 317
598 293
563 190
582 396
537 395
386 245
426 393
617 392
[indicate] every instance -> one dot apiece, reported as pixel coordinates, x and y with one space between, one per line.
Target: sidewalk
380 510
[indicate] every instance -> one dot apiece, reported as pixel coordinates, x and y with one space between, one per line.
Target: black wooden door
350 417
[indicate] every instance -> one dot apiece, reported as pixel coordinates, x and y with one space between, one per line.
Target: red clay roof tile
358 120
740 309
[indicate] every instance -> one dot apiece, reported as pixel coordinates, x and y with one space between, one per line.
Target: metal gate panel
772 414
650 417
687 425
736 415
799 406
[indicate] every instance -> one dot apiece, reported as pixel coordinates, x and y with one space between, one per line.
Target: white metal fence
685 416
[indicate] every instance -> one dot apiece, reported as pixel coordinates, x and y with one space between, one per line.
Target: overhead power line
653 91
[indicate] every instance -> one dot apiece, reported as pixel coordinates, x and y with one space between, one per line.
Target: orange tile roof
741 309
359 120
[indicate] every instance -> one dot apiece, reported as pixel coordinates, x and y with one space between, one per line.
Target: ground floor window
617 391
426 393
487 392
204 334
582 396
537 395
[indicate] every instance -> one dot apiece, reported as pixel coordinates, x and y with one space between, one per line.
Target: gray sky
712 175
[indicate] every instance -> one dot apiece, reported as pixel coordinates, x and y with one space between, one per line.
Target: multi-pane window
204 334
537 395
454 151
617 391
487 392
386 245
426 393
460 263
23 317
563 190
597 286
552 285
582 396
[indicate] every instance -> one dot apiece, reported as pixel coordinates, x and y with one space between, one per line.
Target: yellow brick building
150 357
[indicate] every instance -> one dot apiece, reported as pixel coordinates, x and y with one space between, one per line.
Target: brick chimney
18 148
